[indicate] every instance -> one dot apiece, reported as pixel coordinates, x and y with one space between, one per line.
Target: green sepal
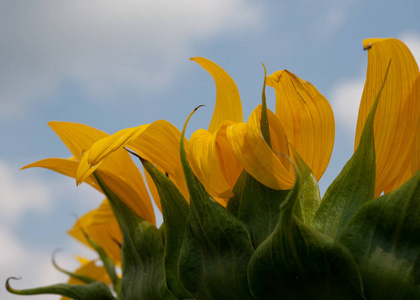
309 195
175 212
265 128
216 248
384 238
142 252
296 262
107 261
354 186
82 278
257 206
92 291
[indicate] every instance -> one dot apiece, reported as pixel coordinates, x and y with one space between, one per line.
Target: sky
113 65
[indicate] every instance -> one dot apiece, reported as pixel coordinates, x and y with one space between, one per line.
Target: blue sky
113 65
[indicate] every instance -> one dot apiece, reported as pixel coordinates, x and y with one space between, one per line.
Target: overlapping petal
78 138
397 113
157 142
307 119
228 102
214 162
268 165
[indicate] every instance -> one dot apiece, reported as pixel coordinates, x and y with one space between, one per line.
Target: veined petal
214 162
306 117
254 154
79 138
63 166
228 102
398 110
157 143
113 143
102 227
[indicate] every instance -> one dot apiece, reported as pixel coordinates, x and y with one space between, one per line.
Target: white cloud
32 265
21 194
25 192
334 17
412 40
345 99
106 46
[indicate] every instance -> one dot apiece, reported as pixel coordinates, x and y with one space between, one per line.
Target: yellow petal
77 137
63 166
102 227
113 143
214 162
397 111
256 157
306 117
157 143
228 102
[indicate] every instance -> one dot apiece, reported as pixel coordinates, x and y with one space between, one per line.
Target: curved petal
397 111
63 166
214 162
228 102
254 154
157 143
307 118
79 138
113 143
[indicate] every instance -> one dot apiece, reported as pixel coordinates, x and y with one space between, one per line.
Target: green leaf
384 238
142 251
296 262
216 248
92 291
354 186
175 212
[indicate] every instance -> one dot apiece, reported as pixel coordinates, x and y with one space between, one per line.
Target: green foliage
142 251
216 246
92 291
384 238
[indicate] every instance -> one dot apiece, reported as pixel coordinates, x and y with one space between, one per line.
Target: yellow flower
397 117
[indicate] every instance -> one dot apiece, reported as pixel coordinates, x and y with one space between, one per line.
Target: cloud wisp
104 46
